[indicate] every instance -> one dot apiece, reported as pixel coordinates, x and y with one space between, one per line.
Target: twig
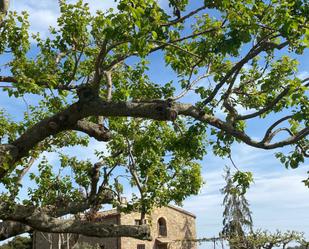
178 20
190 86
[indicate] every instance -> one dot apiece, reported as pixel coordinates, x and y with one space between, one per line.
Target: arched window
162 227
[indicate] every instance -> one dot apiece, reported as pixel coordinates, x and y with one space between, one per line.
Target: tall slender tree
237 220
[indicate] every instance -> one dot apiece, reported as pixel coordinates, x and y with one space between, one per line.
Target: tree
237 220
263 239
238 232
18 243
305 246
91 78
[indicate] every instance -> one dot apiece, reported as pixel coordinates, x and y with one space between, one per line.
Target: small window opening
162 227
141 246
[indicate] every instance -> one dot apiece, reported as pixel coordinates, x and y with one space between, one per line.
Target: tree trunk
4 6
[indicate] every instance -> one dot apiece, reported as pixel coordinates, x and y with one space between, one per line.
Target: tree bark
4 6
69 119
10 229
24 218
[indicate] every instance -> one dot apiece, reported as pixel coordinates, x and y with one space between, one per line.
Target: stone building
171 228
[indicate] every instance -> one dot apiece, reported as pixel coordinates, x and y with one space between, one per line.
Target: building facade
171 228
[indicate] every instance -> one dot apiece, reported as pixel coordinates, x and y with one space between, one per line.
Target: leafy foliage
93 77
237 219
238 224
265 239
18 243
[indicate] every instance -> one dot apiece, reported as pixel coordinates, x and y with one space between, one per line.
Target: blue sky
278 198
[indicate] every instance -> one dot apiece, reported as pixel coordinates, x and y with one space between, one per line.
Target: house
171 228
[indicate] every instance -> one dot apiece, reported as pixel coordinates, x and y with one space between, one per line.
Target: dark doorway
162 227
162 246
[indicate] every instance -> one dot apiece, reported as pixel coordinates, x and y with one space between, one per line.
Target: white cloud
303 74
268 214
101 5
44 13
81 153
278 198
84 153
279 187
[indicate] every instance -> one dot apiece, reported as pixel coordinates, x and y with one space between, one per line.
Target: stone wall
180 229
55 241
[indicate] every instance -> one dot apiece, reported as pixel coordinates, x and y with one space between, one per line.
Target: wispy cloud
278 198
81 153
303 74
44 13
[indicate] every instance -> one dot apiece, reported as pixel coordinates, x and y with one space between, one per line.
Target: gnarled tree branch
156 109
24 218
10 229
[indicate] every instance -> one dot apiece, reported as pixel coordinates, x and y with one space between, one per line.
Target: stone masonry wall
180 229
51 241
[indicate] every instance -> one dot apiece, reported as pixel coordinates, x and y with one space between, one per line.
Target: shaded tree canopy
18 243
92 77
